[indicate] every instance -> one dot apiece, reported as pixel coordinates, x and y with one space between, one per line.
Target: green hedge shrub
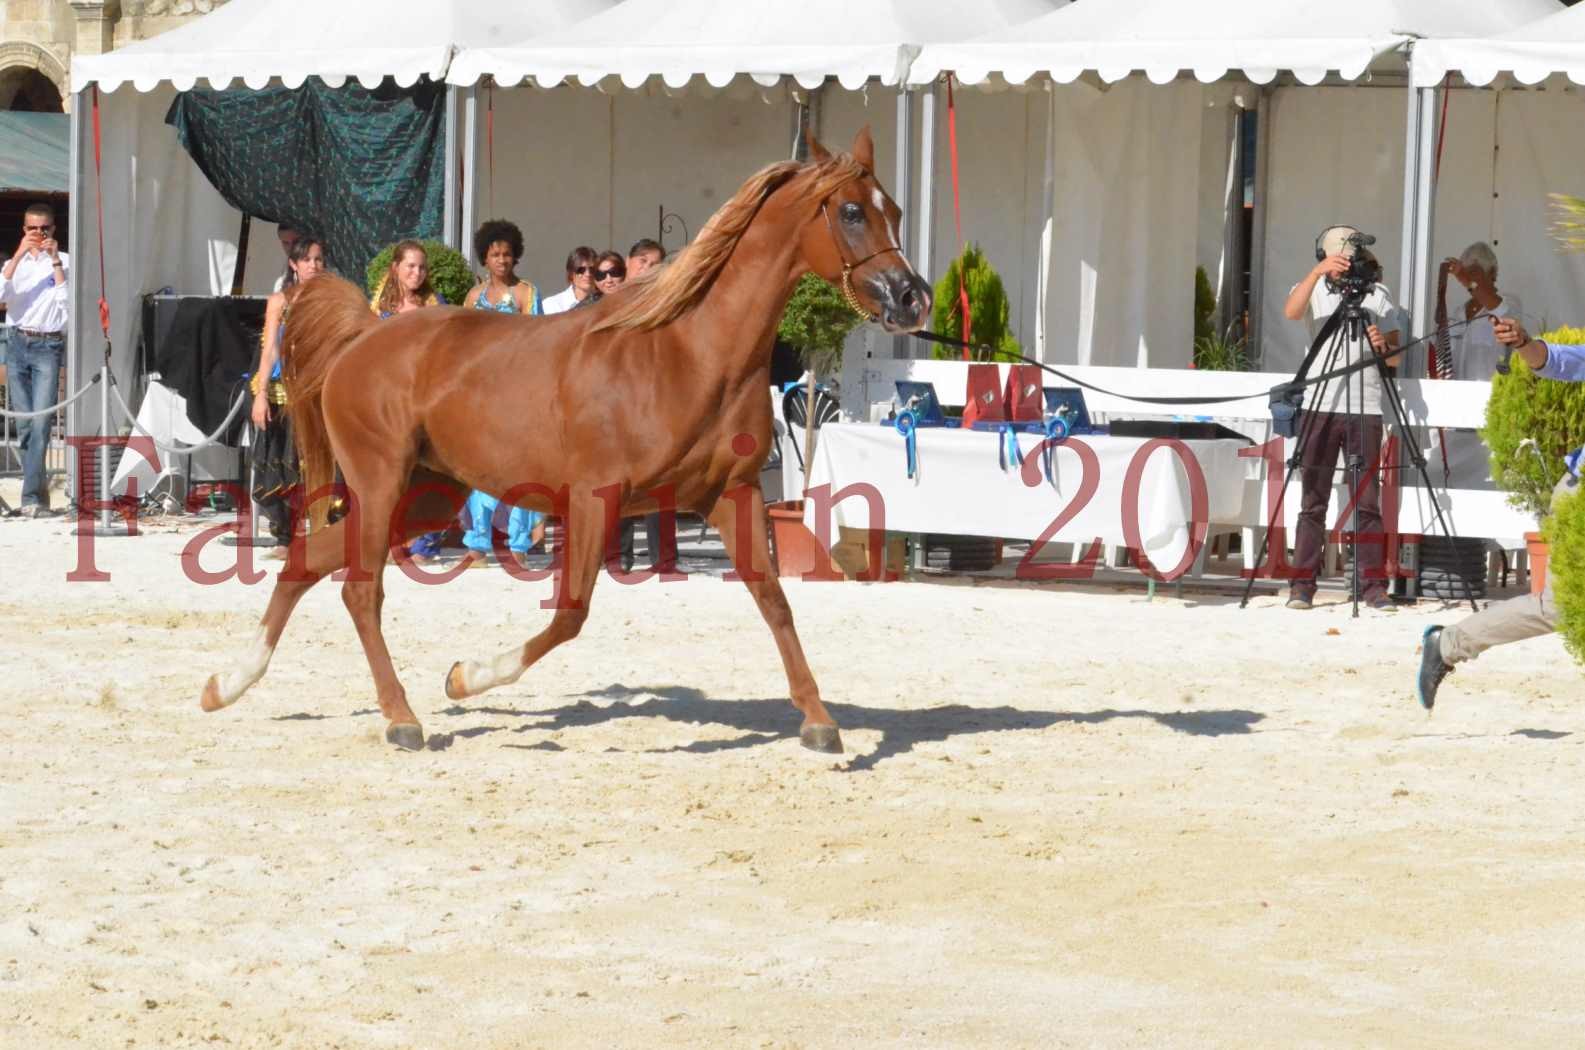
1522 407
1565 536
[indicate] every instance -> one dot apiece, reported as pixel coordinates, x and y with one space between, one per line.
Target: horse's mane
674 289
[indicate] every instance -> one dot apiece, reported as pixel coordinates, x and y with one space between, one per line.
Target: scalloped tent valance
718 40
257 41
1532 52
1213 38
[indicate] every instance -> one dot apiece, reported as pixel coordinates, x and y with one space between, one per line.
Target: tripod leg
1306 434
1417 457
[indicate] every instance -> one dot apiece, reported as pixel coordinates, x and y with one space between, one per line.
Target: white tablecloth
961 488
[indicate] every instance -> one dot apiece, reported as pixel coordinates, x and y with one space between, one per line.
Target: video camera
1363 270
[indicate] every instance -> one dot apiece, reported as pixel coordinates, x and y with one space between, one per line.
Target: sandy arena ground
1066 818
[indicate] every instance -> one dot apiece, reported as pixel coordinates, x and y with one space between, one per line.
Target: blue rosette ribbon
907 424
1056 432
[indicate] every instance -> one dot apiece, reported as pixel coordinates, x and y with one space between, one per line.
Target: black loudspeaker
204 348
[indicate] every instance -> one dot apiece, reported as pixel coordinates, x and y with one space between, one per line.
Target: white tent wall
164 226
1001 170
1336 155
575 165
1125 231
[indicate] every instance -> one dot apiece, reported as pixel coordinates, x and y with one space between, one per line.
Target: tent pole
448 224
1419 206
902 179
1257 240
470 164
77 292
924 250
1047 219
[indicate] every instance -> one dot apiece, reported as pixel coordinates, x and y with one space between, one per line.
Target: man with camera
1530 615
33 289
1348 412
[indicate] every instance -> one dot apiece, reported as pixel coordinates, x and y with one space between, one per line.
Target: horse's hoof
211 700
456 689
822 738
405 735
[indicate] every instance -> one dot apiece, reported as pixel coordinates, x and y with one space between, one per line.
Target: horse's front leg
583 554
739 516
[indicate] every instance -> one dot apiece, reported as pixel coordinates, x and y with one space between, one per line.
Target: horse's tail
323 319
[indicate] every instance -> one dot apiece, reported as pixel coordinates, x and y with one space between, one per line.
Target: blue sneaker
1432 667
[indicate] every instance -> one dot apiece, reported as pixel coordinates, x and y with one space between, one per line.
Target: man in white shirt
287 234
580 281
1476 355
33 289
1348 422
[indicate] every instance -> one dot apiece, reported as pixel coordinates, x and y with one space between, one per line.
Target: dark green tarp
35 152
359 169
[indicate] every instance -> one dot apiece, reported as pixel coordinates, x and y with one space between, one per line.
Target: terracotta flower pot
1536 548
797 551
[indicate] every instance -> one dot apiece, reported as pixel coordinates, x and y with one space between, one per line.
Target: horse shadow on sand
765 721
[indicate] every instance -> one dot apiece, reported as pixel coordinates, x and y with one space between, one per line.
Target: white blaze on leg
477 676
248 670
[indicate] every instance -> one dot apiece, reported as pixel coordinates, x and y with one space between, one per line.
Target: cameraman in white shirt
1347 423
33 289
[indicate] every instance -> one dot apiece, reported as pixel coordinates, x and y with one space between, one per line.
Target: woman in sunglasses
580 281
610 270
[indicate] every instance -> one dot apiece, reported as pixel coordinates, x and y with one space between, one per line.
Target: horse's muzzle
905 301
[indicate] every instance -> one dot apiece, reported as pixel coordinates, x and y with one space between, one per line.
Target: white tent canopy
257 40
1532 52
1210 38
721 39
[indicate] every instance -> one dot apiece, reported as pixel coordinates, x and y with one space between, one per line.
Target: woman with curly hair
405 285
498 245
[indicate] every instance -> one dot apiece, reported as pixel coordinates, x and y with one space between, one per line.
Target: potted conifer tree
816 322
1531 424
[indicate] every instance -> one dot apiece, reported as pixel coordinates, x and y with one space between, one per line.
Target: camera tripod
1346 327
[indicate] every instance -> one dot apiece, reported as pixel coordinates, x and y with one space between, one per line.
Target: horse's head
853 243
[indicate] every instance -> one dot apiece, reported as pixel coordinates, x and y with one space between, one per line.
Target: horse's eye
852 213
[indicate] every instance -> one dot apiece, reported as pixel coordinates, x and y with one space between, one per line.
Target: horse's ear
864 149
817 153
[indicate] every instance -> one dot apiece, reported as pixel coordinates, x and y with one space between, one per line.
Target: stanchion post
104 447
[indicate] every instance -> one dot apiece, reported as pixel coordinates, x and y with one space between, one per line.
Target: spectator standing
499 245
405 285
33 289
610 271
275 472
288 235
644 256
580 281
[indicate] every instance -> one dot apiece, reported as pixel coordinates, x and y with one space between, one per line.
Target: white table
961 488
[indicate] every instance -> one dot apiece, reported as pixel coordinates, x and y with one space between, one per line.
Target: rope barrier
178 450
7 414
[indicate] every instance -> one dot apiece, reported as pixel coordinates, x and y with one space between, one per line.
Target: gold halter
848 293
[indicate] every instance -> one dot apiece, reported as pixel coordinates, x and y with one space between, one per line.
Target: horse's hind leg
585 551
750 554
324 552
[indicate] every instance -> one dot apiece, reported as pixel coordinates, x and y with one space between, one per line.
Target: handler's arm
1554 361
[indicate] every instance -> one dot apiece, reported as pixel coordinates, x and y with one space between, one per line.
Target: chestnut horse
661 388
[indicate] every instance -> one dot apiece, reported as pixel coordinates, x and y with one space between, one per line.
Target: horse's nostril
910 299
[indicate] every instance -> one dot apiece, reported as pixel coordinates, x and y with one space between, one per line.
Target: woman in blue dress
498 245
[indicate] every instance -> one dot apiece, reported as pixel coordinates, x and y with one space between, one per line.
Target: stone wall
39 37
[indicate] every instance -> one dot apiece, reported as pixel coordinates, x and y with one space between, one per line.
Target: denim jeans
33 368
